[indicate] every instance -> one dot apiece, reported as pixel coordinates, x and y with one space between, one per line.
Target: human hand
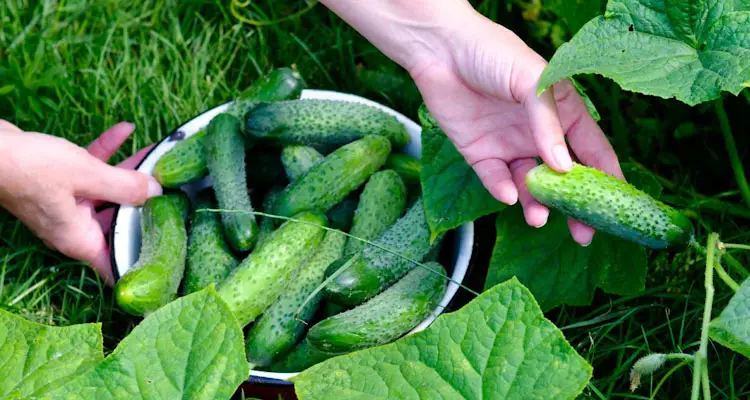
54 187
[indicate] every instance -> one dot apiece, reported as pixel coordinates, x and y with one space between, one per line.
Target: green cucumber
267 224
277 330
407 166
209 259
386 316
341 215
226 162
380 205
329 308
297 160
259 279
373 270
332 179
301 357
153 281
610 205
323 124
186 162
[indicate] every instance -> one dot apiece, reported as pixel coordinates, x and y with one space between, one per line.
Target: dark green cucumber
267 224
341 215
332 179
323 124
277 330
297 160
386 316
186 162
407 167
261 277
611 205
380 205
209 258
329 309
301 357
153 281
373 270
226 162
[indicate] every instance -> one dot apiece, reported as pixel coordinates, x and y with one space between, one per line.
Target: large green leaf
35 357
575 13
691 50
555 268
192 348
499 346
732 327
452 191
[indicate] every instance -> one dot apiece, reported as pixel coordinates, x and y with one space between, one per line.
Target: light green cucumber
297 160
301 357
385 317
153 281
373 270
328 182
381 203
277 330
407 166
226 162
323 124
209 258
610 205
261 277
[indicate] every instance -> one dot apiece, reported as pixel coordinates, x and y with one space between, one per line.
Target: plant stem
725 277
734 156
736 265
701 356
736 246
706 382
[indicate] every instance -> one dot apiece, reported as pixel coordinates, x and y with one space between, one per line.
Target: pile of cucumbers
338 259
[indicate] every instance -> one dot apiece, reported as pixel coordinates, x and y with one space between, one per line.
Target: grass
75 67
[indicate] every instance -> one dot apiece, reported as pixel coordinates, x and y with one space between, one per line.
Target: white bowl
126 234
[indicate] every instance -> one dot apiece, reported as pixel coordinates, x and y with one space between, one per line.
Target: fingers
582 233
84 240
7 126
116 185
104 218
133 161
105 146
536 214
547 131
496 177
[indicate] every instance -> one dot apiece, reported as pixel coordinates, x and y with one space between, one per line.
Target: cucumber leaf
689 50
732 327
36 357
575 13
452 191
556 269
499 346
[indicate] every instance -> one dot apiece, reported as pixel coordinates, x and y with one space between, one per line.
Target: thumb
116 185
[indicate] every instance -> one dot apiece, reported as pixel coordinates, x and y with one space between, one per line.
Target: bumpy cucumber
373 269
323 124
209 258
267 224
226 162
407 166
385 317
301 357
299 159
329 309
259 279
153 281
328 182
186 162
381 203
611 205
341 215
277 330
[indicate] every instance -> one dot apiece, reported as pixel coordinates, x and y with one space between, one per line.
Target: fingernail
132 124
154 188
589 243
560 152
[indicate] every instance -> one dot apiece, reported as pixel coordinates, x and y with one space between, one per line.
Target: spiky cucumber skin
372 270
209 259
297 160
380 205
226 163
261 277
408 167
385 317
323 124
277 330
328 182
610 205
154 279
186 162
300 357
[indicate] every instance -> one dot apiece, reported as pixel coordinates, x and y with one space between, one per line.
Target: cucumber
323 124
341 215
209 259
301 357
332 179
385 317
299 159
277 330
329 309
407 166
381 203
267 224
425 118
611 205
226 162
153 281
373 270
186 162
259 279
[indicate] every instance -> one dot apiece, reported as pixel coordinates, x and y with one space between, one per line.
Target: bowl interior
126 233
